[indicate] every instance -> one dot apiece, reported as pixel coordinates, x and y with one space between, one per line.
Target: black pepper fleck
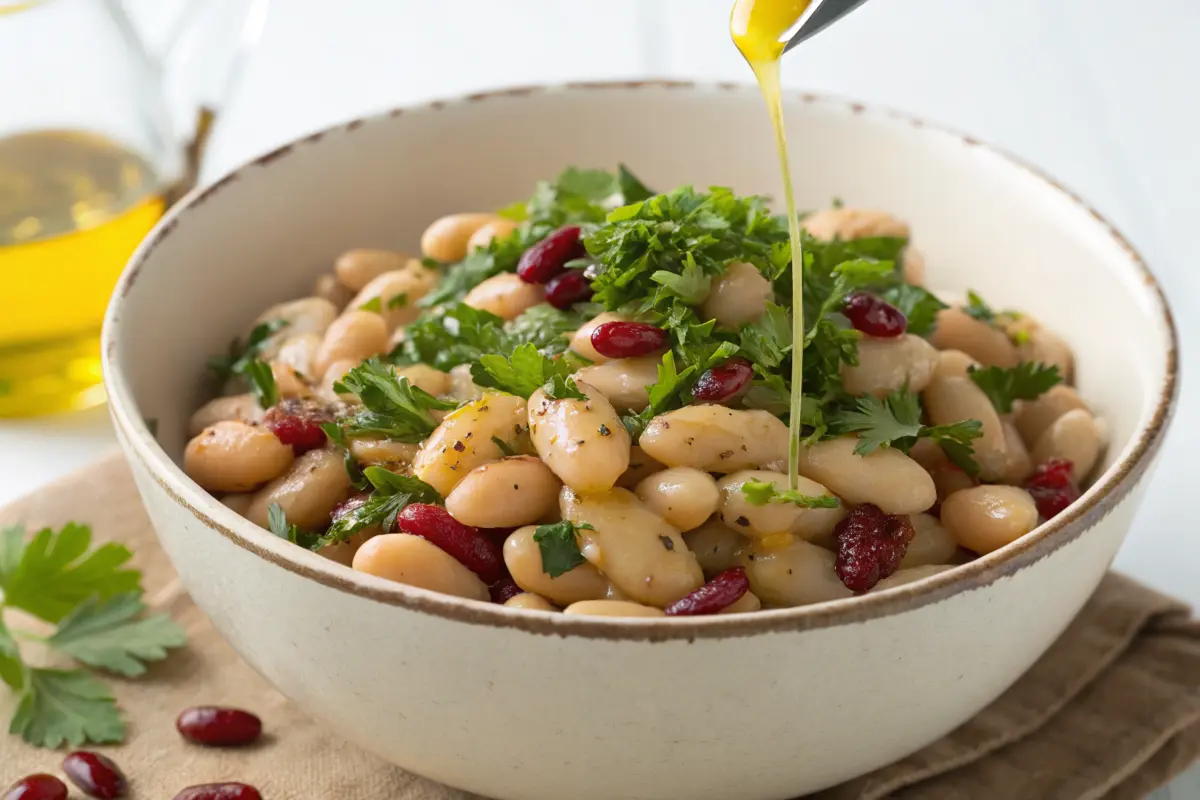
459 447
666 542
726 455
745 523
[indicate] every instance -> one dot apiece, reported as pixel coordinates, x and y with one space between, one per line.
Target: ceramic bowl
514 704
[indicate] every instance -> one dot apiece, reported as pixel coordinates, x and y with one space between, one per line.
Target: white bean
446 239
715 438
771 519
308 315
232 456
343 552
426 378
581 340
505 295
986 518
242 407
498 228
887 478
288 382
640 465
932 543
382 452
913 264
888 365
956 330
847 224
238 502
947 477
513 491
797 574
300 353
332 374
398 292
640 553
462 387
307 492
356 268
582 441
717 546
1018 464
530 602
743 605
1034 417
740 295
523 557
909 575
1074 436
354 336
414 561
683 496
464 439
952 399
328 287
954 363
624 381
611 608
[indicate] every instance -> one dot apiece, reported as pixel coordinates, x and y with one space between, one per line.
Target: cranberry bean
220 791
723 382
569 288
548 258
629 339
37 787
722 591
873 316
95 775
467 545
213 726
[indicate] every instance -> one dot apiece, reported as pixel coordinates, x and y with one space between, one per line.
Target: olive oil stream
758 28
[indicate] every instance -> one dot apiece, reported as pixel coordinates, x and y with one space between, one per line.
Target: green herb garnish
391 406
1026 381
559 546
759 493
390 494
895 421
262 382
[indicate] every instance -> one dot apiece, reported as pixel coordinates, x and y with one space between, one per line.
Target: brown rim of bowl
1113 487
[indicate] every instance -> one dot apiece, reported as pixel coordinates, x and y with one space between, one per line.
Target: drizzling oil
758 28
73 206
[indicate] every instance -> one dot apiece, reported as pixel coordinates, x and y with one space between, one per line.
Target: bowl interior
266 232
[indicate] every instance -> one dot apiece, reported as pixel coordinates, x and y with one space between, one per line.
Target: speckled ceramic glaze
514 704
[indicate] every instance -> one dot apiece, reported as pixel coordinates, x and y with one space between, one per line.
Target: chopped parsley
277 523
262 382
560 547
398 301
374 304
1026 381
977 309
240 355
525 371
895 421
920 305
391 406
505 448
759 493
390 494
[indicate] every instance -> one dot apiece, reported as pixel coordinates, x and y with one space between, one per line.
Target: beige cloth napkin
1112 711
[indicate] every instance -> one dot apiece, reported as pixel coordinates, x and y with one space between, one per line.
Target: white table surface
1100 97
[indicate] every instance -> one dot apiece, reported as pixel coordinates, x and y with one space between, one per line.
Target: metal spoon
824 15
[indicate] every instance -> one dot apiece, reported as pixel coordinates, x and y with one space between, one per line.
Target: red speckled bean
213 726
467 545
220 791
37 787
95 775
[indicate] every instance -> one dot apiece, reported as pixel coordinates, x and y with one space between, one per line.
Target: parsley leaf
262 383
955 441
374 304
277 523
106 634
895 421
524 372
767 341
977 309
391 494
690 284
398 301
559 547
12 669
918 304
560 388
545 327
66 706
391 406
450 336
759 493
505 448
632 189
240 355
55 573
1026 381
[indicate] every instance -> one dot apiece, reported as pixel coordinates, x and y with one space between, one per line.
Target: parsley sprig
244 360
391 406
94 601
559 546
759 493
1026 381
895 421
390 494
525 371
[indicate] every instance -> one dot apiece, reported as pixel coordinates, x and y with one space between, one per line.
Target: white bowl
515 704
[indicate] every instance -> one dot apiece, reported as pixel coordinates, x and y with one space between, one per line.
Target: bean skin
235 457
715 438
583 441
523 557
412 560
307 492
464 439
446 238
740 295
887 478
797 574
956 330
514 491
986 518
683 496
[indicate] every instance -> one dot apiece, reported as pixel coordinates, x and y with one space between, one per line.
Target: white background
1101 93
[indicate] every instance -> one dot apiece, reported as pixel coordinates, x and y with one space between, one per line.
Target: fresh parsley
895 421
759 493
1026 381
560 547
94 601
390 494
920 305
277 523
525 371
398 301
977 309
505 448
374 304
262 382
240 355
391 406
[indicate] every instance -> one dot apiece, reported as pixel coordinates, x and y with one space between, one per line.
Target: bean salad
580 403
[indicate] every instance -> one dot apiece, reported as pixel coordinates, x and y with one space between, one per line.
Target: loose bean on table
683 496
640 553
95 775
715 438
218 726
523 558
1074 437
508 493
412 560
986 518
886 478
611 608
466 438
446 239
235 457
583 442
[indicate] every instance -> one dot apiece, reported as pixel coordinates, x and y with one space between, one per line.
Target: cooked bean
523 557
446 239
1034 417
717 546
241 407
624 381
300 353
931 544
581 340
1018 464
715 438
1074 436
513 491
464 439
232 456
986 518
740 295
498 228
956 330
948 478
640 465
816 525
237 502
1047 347
888 365
377 452
287 382
887 478
951 399
356 268
343 552
308 315
744 604
354 336
794 575
954 363
398 292
908 575
582 441
913 264
307 492
462 387
412 560
611 608
772 519
505 295
683 496
530 602
334 373
328 287
426 378
640 553
848 224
